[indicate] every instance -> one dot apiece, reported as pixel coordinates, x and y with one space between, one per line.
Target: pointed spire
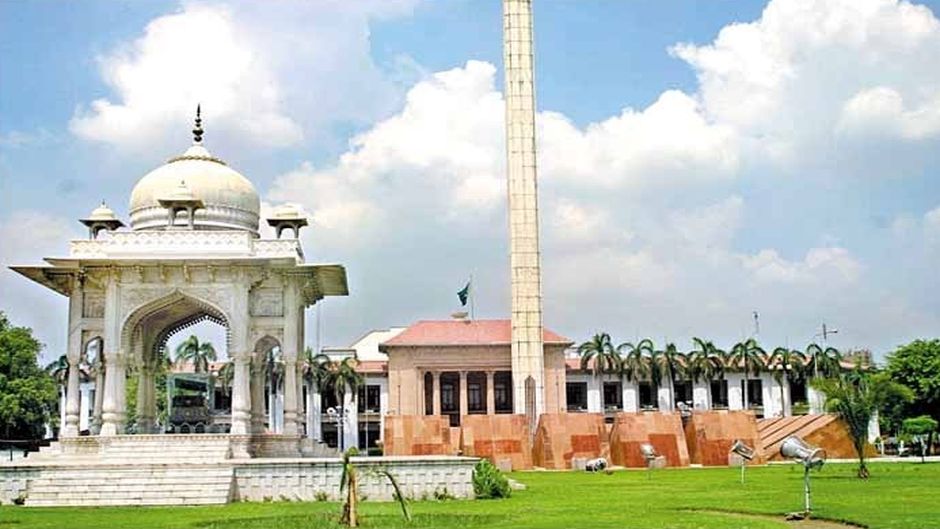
197 131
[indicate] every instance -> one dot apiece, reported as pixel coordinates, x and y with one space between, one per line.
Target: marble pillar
113 407
72 403
437 392
241 397
290 398
490 394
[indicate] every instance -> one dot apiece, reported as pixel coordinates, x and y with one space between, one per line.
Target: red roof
464 332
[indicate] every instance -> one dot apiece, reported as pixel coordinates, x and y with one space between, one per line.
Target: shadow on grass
330 520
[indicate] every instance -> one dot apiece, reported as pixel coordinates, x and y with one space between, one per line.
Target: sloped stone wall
418 435
561 437
499 438
710 434
662 430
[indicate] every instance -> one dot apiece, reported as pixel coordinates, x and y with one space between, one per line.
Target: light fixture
745 452
809 456
650 455
596 465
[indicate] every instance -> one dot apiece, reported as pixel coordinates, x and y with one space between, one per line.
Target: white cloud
27 237
805 72
240 61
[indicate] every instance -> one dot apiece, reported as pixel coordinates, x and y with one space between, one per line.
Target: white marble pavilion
192 252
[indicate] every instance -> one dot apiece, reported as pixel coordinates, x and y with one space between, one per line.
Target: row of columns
463 394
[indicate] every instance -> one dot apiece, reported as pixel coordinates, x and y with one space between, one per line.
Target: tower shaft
527 357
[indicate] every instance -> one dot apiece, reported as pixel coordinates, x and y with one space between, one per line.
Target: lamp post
338 414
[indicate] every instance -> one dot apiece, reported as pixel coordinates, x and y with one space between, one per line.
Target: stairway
148 484
135 470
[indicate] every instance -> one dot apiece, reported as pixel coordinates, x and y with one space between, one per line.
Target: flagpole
471 297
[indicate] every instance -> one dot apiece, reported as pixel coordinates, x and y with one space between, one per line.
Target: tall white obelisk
528 374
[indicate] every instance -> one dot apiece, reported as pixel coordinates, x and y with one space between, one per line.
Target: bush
489 482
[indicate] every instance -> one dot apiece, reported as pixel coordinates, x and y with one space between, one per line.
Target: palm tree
274 368
854 397
344 376
59 369
706 361
634 362
825 363
191 351
749 357
673 365
225 375
600 355
317 369
785 364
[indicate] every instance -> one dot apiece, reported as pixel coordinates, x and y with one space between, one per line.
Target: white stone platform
199 469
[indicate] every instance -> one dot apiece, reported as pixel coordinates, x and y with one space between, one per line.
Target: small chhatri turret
287 216
101 218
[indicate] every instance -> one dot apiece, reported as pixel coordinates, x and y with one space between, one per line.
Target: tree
27 392
917 366
786 363
672 365
316 369
750 358
344 376
599 355
225 376
825 363
634 359
854 397
191 351
706 361
921 429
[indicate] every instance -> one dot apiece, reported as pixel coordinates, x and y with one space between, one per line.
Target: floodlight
596 465
650 455
745 452
806 454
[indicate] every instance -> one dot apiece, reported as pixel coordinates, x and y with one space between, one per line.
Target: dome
231 202
102 213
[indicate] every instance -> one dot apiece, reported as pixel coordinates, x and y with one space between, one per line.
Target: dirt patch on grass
806 523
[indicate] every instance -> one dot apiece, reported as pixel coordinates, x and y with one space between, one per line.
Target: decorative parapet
184 243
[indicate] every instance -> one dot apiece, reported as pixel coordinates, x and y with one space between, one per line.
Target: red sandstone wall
418 435
710 434
497 437
662 430
563 436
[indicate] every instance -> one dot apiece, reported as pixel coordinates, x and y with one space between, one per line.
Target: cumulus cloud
807 73
239 61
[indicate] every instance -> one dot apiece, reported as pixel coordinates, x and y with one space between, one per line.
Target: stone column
99 398
437 392
490 394
257 396
72 403
290 398
113 407
146 411
463 394
524 256
241 397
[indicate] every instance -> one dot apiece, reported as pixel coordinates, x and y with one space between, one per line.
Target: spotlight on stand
650 455
745 452
809 456
596 465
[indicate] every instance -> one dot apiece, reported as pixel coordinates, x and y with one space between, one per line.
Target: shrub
489 482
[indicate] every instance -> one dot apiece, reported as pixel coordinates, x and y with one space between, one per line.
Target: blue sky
784 160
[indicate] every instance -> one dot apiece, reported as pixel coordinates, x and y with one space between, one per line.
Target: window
428 394
719 390
613 396
368 399
327 398
684 392
798 391
576 393
755 393
368 435
502 387
476 392
647 396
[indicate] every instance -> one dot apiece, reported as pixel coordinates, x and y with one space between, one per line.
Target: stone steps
142 484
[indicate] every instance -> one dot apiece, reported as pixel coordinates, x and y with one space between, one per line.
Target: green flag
464 294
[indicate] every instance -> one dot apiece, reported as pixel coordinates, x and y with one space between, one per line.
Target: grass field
896 496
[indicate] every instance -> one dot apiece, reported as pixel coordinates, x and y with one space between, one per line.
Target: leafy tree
786 364
489 482
917 366
854 397
27 392
749 357
921 429
199 354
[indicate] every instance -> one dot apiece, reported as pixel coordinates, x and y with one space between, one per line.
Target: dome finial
197 132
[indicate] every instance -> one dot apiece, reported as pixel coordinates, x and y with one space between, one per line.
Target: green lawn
896 496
